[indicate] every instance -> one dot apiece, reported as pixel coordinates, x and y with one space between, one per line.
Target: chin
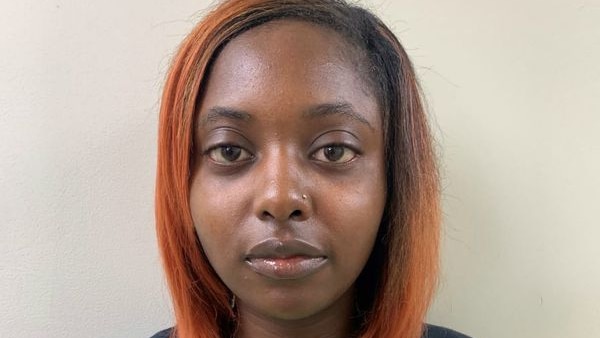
295 305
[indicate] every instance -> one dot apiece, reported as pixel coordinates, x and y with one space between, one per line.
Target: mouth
285 259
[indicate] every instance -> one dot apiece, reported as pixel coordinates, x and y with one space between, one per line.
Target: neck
332 322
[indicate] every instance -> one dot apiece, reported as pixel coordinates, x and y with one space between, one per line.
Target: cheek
354 215
359 224
215 214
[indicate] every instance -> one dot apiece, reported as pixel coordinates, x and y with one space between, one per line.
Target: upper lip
280 248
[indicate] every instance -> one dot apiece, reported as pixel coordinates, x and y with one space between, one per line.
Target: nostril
266 215
297 213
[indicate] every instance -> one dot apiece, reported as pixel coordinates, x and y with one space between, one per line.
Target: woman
297 193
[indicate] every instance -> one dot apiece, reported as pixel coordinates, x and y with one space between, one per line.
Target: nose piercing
304 196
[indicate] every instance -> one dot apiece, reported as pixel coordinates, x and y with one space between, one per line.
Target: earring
232 303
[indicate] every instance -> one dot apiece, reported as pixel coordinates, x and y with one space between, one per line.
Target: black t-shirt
431 331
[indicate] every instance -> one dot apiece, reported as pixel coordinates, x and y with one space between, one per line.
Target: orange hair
396 286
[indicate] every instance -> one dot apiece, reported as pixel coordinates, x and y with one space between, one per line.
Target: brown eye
335 154
228 154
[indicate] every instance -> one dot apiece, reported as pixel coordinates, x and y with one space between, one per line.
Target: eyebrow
344 109
338 108
217 113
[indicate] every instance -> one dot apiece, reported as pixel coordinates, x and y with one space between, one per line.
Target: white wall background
513 87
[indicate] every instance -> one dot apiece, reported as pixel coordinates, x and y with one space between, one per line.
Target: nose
280 193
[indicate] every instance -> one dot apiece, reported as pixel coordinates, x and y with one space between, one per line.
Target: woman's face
289 185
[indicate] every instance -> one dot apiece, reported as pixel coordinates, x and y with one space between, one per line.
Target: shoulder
433 331
164 334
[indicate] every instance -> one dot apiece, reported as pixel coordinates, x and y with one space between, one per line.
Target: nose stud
304 196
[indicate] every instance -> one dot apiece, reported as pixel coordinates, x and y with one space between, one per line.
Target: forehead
286 36
289 63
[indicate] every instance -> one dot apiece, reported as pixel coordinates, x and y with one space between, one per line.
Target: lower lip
286 268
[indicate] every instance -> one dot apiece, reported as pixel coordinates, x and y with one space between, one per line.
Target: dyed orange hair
396 286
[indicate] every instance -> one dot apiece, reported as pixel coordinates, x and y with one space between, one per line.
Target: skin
260 100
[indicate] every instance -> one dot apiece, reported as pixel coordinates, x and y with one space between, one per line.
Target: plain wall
513 90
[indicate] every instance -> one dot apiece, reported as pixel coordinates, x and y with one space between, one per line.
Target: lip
285 259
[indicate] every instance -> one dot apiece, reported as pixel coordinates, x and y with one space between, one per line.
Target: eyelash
213 152
345 150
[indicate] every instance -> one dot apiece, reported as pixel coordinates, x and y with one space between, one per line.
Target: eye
335 153
228 154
